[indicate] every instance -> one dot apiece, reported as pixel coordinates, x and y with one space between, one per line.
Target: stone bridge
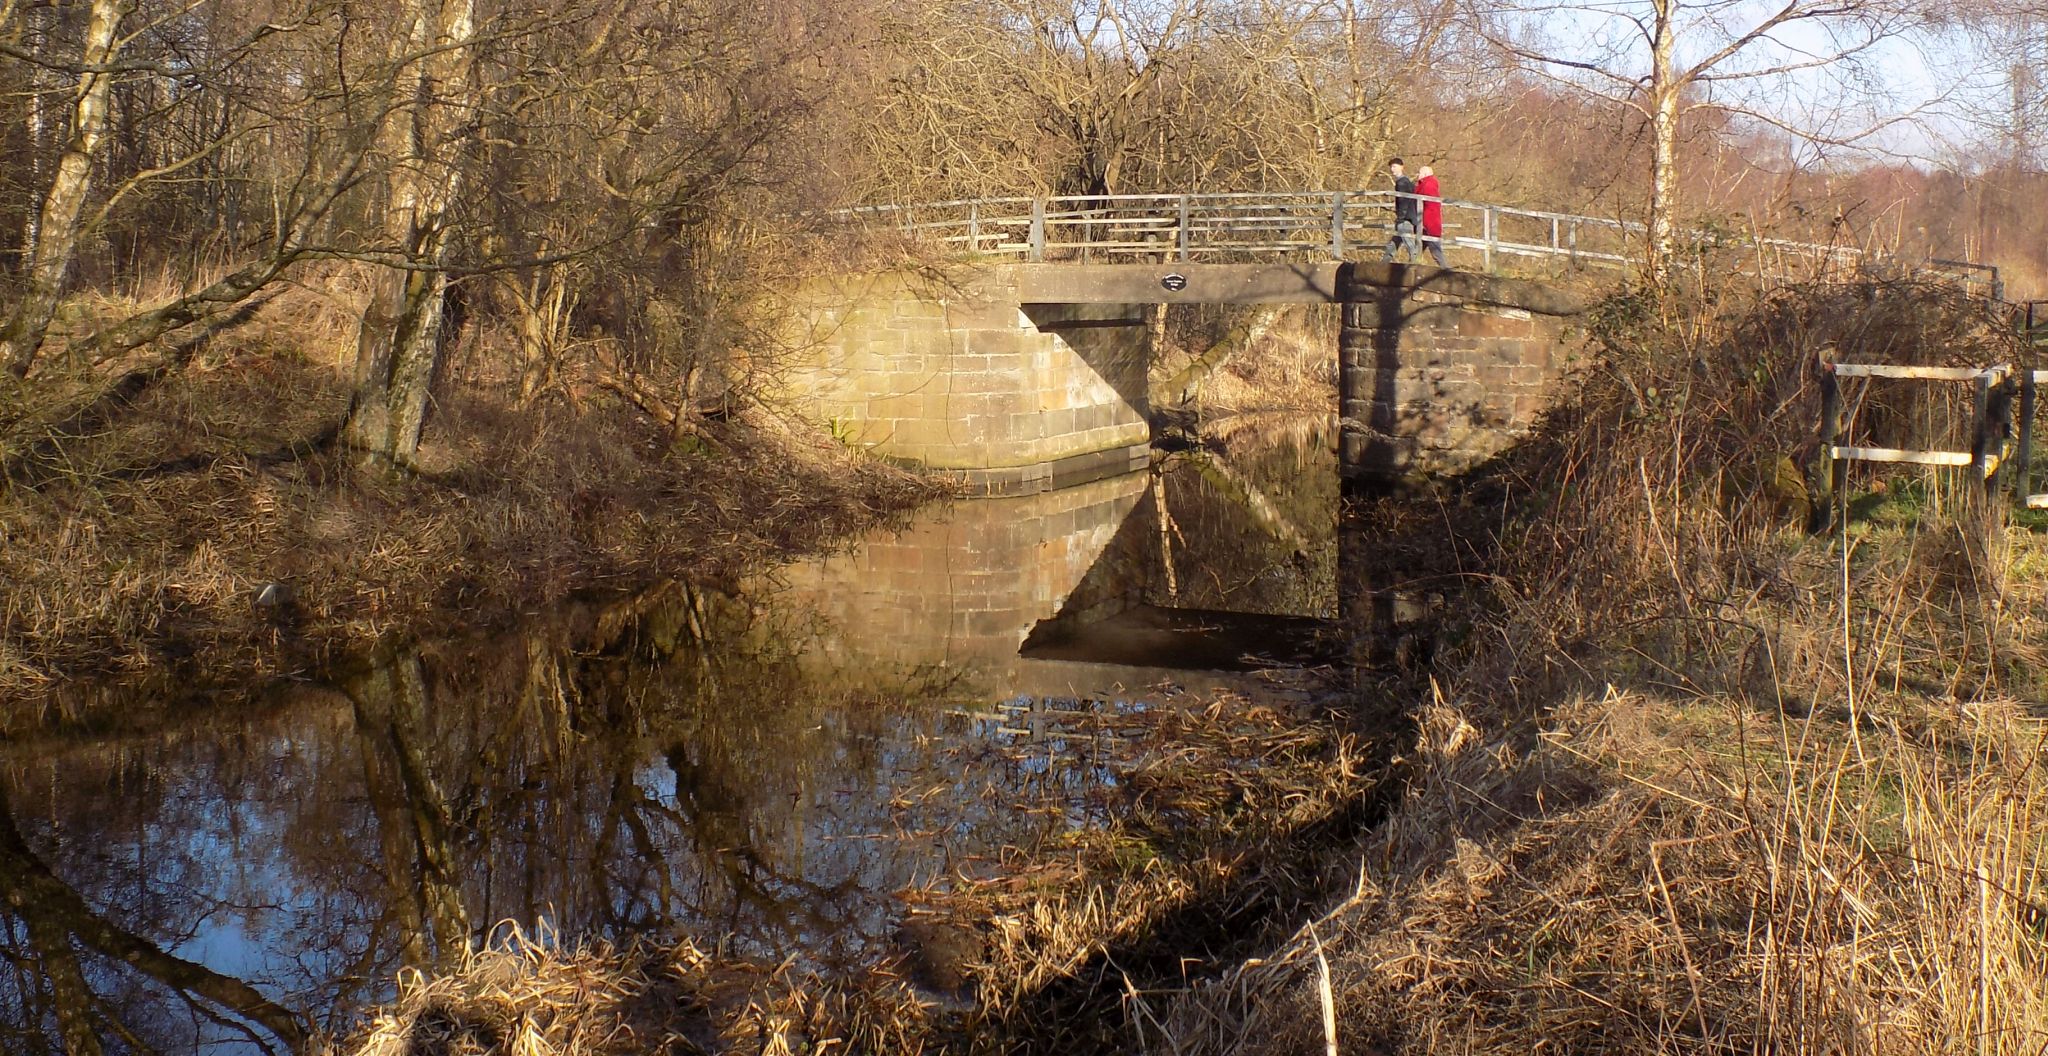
1022 377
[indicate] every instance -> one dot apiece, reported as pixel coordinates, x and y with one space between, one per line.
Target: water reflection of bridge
1182 567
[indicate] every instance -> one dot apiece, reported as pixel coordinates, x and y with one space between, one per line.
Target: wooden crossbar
1994 420
1889 370
1898 455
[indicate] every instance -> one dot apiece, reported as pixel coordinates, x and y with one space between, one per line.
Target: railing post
974 227
1181 236
1555 247
1575 243
1337 226
1037 231
1487 223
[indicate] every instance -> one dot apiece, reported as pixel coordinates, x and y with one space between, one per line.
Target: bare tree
1663 59
992 97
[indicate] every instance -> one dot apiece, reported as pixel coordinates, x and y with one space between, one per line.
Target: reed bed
527 996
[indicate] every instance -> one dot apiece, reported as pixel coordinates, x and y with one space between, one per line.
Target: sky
1926 93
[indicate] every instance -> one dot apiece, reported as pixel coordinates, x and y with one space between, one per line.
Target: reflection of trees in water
90 976
415 834
673 761
1256 519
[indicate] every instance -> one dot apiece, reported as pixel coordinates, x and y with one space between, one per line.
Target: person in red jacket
1426 188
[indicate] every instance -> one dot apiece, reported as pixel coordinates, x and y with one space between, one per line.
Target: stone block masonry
1441 371
955 373
954 592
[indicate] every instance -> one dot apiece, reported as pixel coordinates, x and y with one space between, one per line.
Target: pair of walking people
1418 210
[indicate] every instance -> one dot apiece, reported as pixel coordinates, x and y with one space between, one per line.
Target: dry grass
520 996
1655 875
1705 784
1218 812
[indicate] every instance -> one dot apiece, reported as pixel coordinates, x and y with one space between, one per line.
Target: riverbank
203 531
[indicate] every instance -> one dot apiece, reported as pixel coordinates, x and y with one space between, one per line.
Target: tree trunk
400 340
1664 93
416 829
55 227
71 997
38 129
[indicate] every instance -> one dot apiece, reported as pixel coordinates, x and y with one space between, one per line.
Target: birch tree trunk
1664 93
400 340
55 227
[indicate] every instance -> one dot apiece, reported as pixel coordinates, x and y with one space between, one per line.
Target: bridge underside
1021 377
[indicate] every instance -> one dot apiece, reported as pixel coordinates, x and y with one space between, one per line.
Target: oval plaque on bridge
1175 282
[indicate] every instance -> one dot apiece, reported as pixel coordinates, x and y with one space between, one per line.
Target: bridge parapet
1300 225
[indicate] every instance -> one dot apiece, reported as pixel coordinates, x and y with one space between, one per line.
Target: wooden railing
2003 402
1307 224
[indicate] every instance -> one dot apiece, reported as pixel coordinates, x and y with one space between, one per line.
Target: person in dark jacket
1407 217
1431 196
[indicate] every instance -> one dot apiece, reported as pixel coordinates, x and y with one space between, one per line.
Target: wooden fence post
1038 230
1823 515
1981 498
1980 424
2026 451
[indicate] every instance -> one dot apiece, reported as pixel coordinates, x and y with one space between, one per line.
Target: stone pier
957 373
1439 370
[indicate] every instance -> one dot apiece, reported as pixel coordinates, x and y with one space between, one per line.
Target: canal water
766 768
